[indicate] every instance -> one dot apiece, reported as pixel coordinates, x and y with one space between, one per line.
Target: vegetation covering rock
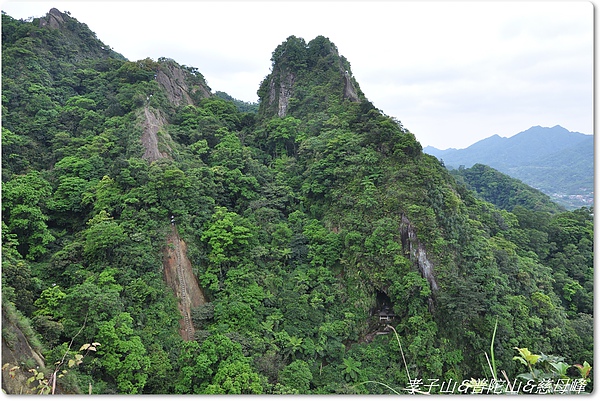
314 224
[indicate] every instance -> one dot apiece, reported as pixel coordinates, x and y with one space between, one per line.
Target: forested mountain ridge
503 191
307 225
556 161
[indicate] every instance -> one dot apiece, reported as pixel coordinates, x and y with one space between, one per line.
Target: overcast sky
452 72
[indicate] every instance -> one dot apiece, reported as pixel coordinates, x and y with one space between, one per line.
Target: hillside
503 191
554 160
169 240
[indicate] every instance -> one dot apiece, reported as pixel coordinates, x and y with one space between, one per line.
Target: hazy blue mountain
430 150
554 160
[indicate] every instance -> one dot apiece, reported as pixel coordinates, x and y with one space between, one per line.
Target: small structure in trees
386 315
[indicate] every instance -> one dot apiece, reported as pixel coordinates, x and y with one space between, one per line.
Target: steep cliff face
276 91
349 88
417 252
280 92
418 255
182 85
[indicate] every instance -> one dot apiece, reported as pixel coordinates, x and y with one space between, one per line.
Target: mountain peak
546 134
54 19
300 71
77 36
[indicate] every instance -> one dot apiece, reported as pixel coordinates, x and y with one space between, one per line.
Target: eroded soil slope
180 277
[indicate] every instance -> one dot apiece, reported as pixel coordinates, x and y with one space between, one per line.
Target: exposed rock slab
54 19
178 85
417 252
349 89
14 353
152 123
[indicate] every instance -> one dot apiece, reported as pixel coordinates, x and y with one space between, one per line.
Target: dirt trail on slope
180 277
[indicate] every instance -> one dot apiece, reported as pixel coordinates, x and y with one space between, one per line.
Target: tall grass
15 317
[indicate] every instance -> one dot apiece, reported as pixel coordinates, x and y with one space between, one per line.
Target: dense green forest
332 254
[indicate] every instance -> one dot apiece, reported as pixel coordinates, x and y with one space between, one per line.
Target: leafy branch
48 385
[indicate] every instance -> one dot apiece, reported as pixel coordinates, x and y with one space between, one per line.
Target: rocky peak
81 42
298 67
54 19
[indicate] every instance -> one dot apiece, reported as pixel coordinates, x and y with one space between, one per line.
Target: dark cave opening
384 303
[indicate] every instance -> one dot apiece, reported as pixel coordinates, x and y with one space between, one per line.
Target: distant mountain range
554 160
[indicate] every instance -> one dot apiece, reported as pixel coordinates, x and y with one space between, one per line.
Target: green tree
352 369
24 212
19 285
102 237
123 355
297 377
217 366
235 377
227 235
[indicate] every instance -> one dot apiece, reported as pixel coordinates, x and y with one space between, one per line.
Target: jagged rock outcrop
54 19
182 85
417 252
77 37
